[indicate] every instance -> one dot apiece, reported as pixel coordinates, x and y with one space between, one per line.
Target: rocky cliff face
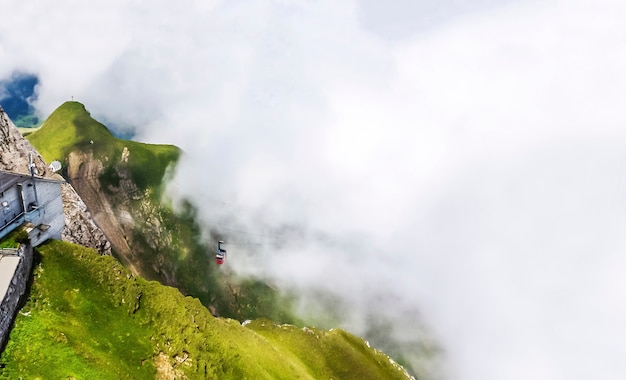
84 172
79 225
130 217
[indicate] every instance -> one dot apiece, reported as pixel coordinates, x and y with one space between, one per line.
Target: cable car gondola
220 257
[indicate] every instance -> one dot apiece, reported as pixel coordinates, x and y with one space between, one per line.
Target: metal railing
17 221
9 252
12 224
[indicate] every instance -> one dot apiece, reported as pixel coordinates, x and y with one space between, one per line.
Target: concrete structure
33 200
36 205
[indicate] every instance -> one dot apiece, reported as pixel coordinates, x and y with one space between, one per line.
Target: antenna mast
31 165
33 171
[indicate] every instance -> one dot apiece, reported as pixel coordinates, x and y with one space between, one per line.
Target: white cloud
471 165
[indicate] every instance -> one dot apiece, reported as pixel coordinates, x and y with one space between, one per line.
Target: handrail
20 215
8 252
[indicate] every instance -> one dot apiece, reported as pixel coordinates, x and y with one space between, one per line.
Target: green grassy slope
88 318
179 258
70 127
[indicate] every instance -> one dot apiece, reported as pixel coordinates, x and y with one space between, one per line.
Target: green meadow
88 317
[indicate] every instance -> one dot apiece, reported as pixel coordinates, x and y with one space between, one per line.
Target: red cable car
220 257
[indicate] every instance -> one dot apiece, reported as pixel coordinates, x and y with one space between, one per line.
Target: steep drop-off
121 183
105 172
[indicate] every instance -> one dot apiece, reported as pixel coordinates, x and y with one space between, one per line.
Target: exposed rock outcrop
83 170
116 211
14 156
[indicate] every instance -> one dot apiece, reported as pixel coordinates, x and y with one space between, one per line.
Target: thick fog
450 167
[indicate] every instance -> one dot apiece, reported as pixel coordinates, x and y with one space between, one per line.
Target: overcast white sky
466 158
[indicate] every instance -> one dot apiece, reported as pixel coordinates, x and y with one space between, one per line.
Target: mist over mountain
449 165
85 315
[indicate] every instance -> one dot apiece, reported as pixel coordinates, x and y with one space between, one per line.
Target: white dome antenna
55 166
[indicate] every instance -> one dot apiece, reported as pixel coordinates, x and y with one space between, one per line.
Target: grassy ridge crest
70 127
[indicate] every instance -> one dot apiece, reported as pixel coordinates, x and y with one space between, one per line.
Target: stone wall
15 292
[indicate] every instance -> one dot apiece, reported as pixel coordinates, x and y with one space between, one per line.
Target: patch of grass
73 324
14 239
88 317
330 354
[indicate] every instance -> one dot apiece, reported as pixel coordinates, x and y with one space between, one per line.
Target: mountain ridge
122 183
109 179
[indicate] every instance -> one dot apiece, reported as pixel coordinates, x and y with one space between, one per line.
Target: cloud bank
463 162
